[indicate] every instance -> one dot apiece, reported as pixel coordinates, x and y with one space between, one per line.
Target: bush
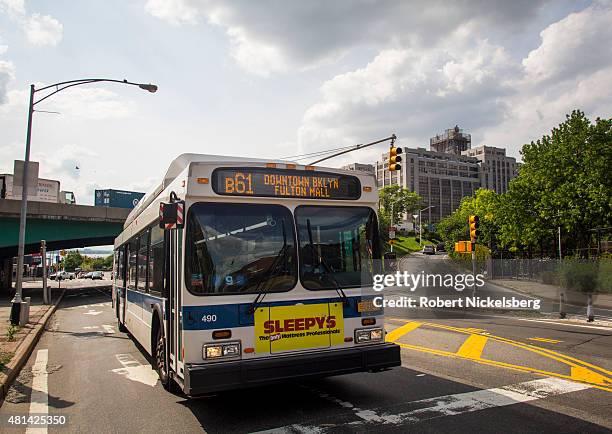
579 275
604 276
550 277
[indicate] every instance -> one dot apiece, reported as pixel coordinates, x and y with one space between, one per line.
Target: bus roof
183 161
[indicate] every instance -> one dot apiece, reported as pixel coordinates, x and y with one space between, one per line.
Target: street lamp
421 224
16 302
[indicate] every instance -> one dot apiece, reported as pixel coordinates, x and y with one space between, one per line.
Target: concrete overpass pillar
6 275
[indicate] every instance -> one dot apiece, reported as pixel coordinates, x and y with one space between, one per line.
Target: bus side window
143 247
132 256
156 261
120 272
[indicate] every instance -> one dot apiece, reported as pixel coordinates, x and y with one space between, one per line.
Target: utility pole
43 253
391 224
559 234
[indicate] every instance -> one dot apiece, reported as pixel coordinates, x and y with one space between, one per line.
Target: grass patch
5 358
405 245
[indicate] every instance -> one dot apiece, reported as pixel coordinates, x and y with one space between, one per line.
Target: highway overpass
63 226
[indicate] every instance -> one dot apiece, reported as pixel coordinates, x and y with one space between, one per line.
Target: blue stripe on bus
144 299
238 315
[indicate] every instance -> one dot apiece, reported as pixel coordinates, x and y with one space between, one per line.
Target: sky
276 78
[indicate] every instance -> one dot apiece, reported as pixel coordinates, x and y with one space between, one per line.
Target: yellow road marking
550 341
394 335
505 365
577 372
539 350
472 347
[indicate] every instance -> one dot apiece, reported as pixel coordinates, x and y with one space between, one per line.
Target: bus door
173 325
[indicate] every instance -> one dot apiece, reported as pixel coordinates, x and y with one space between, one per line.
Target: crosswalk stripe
394 335
453 405
473 347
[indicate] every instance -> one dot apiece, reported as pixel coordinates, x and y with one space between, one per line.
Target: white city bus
268 278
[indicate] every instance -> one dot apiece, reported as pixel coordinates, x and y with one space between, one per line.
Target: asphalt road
450 381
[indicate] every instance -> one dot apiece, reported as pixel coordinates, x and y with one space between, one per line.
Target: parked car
441 247
97 275
86 275
62 275
429 250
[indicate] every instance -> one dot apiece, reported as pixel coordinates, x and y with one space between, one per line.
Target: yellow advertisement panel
286 328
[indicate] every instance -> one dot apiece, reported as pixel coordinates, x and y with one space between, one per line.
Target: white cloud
173 11
13 7
502 100
578 44
43 30
273 36
7 72
413 93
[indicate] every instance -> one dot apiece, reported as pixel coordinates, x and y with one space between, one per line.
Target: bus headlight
368 335
221 350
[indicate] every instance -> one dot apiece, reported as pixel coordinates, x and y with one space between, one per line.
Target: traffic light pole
474 268
392 138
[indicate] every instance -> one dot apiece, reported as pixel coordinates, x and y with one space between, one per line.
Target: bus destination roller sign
268 182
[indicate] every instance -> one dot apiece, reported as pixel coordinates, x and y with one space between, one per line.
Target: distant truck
117 198
48 190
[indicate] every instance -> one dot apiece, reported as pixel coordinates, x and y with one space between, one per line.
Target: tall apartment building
496 169
359 167
441 179
452 141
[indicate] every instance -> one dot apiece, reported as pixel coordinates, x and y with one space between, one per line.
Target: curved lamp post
58 87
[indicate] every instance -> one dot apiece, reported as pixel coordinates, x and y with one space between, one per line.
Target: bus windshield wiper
268 273
328 269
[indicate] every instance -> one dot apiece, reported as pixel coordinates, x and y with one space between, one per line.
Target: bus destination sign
267 182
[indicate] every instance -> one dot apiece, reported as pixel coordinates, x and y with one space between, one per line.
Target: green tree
484 204
72 260
108 262
397 199
564 181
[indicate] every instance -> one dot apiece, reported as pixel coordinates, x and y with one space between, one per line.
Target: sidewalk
551 292
15 346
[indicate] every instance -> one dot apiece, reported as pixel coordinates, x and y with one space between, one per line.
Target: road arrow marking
134 371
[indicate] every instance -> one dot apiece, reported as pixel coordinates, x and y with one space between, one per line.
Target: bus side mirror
171 215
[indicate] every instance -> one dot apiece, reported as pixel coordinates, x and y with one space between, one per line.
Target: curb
25 350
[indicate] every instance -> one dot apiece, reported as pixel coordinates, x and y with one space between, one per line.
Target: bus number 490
209 318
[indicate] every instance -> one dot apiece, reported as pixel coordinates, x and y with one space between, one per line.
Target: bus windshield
240 248
339 246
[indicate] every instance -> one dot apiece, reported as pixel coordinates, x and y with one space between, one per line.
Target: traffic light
394 158
473 228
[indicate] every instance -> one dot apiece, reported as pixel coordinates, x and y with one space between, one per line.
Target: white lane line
39 399
134 371
452 405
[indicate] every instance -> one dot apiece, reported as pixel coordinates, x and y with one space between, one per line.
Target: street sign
392 234
18 180
463 246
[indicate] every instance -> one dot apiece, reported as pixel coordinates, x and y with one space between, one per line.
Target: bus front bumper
216 377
